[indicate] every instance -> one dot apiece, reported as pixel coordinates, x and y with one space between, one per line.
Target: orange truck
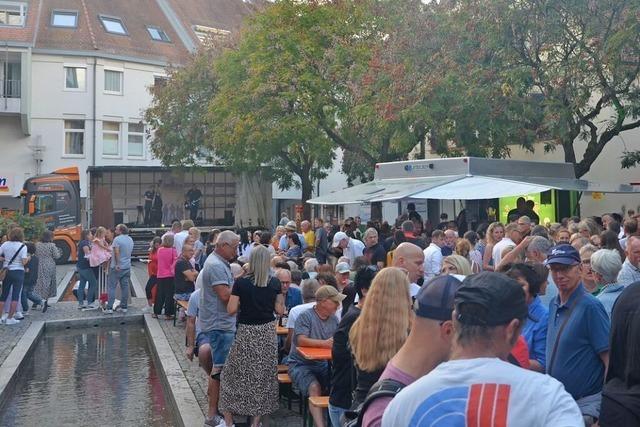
55 198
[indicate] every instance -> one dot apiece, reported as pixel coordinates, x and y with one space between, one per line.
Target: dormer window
205 33
64 18
158 34
113 25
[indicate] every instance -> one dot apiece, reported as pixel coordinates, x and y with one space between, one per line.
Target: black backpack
383 388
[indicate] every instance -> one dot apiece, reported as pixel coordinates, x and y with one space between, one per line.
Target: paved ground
196 376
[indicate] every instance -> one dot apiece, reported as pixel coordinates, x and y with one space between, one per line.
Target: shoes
94 305
25 313
223 424
213 422
124 310
11 321
35 306
18 316
45 306
107 311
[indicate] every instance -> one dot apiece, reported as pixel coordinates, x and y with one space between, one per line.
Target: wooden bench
179 304
321 402
283 369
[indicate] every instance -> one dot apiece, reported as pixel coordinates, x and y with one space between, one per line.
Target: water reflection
91 377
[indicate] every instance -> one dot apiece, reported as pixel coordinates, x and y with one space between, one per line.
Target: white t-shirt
295 312
499 247
483 392
178 240
8 250
432 261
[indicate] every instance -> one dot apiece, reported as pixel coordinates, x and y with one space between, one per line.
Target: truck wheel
65 250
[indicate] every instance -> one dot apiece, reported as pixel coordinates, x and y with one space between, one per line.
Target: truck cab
55 199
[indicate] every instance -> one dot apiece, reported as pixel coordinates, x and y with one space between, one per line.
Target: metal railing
10 89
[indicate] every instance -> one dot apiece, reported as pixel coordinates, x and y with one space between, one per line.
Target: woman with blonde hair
495 233
465 249
456 264
249 382
381 328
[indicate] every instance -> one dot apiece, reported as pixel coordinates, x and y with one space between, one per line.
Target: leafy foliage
33 227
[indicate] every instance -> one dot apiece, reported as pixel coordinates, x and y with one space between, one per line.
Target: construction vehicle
55 199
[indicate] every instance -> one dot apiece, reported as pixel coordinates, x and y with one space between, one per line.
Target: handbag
3 270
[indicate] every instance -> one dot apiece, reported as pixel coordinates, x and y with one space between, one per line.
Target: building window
110 138
63 18
207 33
135 140
75 78
159 81
113 25
158 34
12 14
113 82
74 137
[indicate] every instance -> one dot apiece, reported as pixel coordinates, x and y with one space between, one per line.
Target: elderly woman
588 280
47 253
605 265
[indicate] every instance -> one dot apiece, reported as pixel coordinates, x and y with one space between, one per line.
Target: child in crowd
100 250
152 271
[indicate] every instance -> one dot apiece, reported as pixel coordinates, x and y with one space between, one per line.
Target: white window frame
143 134
113 18
64 138
111 132
73 13
104 80
64 78
22 7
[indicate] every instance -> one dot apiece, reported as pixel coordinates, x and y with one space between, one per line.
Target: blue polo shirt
535 331
578 365
294 297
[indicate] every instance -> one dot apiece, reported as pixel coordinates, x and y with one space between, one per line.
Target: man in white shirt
179 238
477 387
433 256
351 248
511 237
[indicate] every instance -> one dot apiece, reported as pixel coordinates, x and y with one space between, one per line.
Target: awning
459 187
382 190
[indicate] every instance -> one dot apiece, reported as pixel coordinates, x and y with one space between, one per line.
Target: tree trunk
307 190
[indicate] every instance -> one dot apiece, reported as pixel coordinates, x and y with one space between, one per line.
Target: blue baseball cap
563 254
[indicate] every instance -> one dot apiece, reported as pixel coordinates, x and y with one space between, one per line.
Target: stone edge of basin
180 393
189 411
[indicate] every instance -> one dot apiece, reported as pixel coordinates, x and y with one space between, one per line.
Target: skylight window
67 19
158 34
113 25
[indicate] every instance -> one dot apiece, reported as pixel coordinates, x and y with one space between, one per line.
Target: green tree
501 72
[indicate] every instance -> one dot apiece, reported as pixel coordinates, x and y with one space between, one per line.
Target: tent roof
464 178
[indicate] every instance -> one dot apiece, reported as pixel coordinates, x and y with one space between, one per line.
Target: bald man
410 258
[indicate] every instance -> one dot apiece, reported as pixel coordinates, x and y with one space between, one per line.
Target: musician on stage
192 202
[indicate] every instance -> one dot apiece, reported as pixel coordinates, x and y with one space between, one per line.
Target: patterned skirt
249 379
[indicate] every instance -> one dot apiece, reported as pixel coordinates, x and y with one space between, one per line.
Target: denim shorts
220 342
182 297
303 375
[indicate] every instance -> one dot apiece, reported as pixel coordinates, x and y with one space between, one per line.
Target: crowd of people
508 324
522 320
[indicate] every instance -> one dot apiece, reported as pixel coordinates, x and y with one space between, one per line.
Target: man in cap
345 286
351 248
477 386
577 334
314 328
432 324
291 228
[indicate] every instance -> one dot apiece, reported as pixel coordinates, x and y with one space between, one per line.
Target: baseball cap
338 237
342 267
329 292
501 296
563 254
435 298
291 226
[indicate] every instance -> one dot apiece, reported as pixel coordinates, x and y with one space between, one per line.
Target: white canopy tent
464 178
